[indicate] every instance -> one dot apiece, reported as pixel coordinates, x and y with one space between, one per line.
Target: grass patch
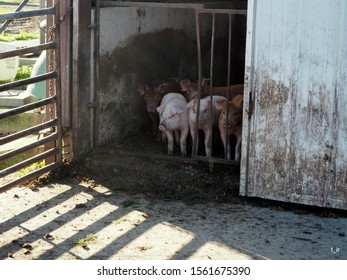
22 172
31 168
127 203
18 37
85 241
23 72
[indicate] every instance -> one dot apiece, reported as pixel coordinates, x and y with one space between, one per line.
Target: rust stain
294 145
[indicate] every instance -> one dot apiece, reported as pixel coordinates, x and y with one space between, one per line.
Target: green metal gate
49 132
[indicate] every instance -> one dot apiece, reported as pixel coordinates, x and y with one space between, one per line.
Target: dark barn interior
145 44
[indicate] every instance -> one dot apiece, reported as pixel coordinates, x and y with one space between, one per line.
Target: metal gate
49 132
230 13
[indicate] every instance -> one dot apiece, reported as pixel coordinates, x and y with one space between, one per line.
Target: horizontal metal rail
150 5
28 107
25 14
28 162
28 147
28 81
222 11
29 176
217 160
28 131
27 50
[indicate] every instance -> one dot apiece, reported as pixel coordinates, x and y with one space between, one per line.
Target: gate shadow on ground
48 224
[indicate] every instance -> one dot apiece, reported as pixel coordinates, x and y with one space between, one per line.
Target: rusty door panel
295 142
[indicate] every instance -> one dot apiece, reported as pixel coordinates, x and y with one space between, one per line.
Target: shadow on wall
152 57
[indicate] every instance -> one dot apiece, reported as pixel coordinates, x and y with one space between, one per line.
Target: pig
153 97
204 122
230 123
190 90
173 114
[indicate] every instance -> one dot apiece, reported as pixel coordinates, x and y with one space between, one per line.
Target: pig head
173 119
153 97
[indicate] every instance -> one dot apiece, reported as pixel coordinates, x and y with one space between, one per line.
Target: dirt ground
122 203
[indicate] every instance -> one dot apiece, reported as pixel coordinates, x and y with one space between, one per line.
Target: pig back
223 91
171 96
216 109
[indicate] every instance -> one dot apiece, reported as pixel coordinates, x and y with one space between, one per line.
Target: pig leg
170 142
177 136
208 139
228 148
192 133
183 141
226 143
238 149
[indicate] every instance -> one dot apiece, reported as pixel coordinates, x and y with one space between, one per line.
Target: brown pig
230 123
153 97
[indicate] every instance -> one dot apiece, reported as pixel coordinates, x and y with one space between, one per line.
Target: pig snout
202 121
162 127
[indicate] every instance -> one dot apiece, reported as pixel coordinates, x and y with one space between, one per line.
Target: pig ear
203 81
185 84
162 87
190 103
176 110
160 109
220 104
238 101
142 90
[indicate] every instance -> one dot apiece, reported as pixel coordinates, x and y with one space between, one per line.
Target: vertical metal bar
97 61
228 89
229 57
92 77
65 50
211 83
42 18
198 43
58 104
49 54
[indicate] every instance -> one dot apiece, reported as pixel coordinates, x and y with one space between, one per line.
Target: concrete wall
137 46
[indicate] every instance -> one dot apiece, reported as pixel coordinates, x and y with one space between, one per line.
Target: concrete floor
49 222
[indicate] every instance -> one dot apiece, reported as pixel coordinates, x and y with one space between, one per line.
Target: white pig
204 122
173 115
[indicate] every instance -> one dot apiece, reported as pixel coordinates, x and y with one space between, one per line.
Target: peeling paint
297 135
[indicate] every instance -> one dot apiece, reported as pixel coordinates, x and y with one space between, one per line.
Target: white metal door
295 140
